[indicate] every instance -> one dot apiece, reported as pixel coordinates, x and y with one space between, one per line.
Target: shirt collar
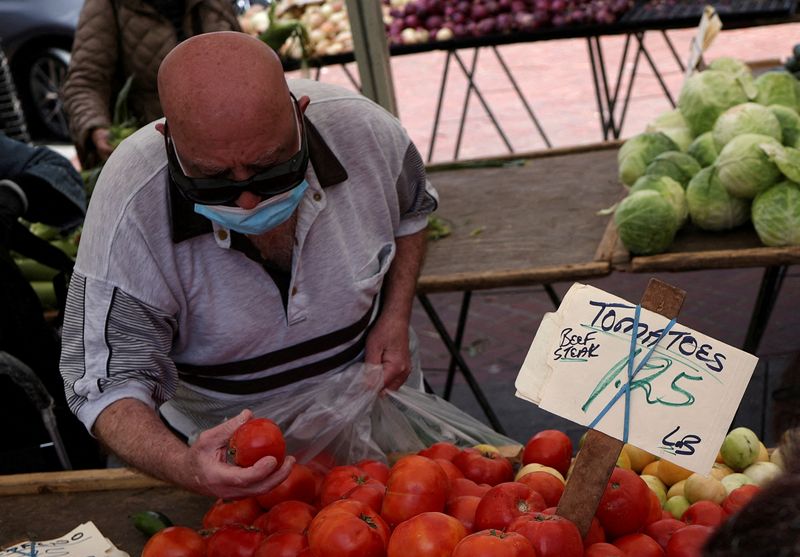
187 224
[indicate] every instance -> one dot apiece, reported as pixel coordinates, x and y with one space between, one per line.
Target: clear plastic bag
348 416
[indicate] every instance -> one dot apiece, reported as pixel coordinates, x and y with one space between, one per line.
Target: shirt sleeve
113 347
416 196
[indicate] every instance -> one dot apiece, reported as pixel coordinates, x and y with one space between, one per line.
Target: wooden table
48 505
532 219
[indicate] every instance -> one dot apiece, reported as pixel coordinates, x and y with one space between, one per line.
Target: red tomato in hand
375 469
706 513
603 549
689 541
299 485
255 439
234 540
463 508
662 530
443 450
548 486
625 504
550 535
282 544
495 544
484 468
292 516
348 528
739 497
505 502
639 545
462 486
549 447
238 511
175 541
416 485
426 535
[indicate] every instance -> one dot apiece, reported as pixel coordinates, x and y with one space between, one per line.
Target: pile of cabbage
729 153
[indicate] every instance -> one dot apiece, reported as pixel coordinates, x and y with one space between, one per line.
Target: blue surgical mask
265 216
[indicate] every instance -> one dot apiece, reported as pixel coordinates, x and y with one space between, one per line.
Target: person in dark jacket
116 39
39 185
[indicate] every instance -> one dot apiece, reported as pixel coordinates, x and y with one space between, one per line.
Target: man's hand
208 469
387 344
101 137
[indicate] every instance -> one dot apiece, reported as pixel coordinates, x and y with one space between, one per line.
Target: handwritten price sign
84 541
605 363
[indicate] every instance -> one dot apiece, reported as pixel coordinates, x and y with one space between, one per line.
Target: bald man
263 235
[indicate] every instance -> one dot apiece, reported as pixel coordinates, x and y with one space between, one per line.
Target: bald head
216 88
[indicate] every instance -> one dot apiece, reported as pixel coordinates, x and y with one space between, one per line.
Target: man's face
240 164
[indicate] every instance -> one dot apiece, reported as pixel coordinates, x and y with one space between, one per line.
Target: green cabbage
731 65
745 118
646 222
744 168
678 166
776 215
637 152
787 159
778 88
711 207
790 124
672 125
708 94
670 189
703 149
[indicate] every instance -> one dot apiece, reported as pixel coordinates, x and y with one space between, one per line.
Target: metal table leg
768 292
439 102
462 324
465 370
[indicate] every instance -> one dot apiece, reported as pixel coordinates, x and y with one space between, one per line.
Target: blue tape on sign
626 389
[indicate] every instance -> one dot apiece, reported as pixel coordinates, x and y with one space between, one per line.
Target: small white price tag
84 541
681 401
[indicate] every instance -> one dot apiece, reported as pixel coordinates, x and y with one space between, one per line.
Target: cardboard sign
84 541
680 402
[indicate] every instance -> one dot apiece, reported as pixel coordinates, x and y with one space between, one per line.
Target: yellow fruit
763 454
676 506
651 469
704 488
536 467
676 489
657 487
670 473
720 470
487 448
639 458
624 461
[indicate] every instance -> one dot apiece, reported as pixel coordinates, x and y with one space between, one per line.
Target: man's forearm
135 433
401 280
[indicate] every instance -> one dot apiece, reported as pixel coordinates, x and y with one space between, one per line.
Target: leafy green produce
35 271
711 207
673 125
646 222
776 215
778 88
744 168
670 189
46 293
746 118
678 166
790 124
703 149
735 67
438 228
639 151
708 94
787 159
123 124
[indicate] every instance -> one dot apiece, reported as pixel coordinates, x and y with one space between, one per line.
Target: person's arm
88 85
134 432
387 342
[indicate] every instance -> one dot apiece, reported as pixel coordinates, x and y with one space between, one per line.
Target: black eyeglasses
277 179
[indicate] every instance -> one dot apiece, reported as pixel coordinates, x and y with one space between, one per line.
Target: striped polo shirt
165 309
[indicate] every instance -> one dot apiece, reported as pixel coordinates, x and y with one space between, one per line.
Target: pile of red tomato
444 501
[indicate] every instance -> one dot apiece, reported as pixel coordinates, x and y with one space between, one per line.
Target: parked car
36 36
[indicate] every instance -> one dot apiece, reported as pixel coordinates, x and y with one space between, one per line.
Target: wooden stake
599 454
